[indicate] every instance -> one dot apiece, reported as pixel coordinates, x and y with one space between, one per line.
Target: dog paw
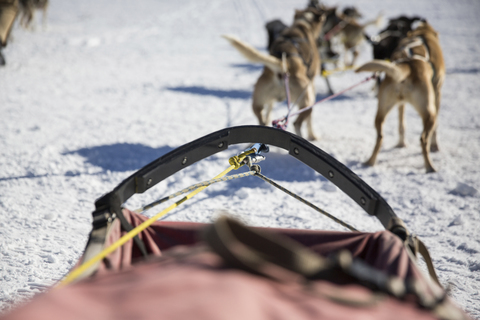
431 170
369 163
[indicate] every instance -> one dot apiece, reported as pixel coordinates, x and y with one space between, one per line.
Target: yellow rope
326 73
235 161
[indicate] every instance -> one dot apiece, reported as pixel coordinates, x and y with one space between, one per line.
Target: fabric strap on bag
282 259
415 245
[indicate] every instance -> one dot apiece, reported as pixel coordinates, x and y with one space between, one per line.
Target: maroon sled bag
229 271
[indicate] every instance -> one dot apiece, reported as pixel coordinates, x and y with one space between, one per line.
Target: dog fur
415 76
353 33
388 39
324 43
276 27
8 14
274 30
297 44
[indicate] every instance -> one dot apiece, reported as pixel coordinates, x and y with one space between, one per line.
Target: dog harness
385 34
407 49
296 41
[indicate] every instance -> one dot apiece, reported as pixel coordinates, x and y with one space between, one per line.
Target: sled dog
353 33
387 40
297 44
414 76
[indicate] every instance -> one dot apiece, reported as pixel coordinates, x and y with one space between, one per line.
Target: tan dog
297 44
352 33
415 76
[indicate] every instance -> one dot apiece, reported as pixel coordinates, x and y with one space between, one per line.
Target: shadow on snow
248 66
219 93
121 156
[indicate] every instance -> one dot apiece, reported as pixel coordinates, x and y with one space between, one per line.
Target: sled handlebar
158 170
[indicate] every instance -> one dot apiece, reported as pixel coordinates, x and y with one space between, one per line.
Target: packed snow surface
108 86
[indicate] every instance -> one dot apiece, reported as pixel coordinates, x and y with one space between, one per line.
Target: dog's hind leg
263 94
426 139
268 112
262 108
305 116
257 110
385 103
434 145
401 126
354 58
306 100
2 59
329 86
425 106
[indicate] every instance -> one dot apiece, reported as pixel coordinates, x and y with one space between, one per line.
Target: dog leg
311 134
425 141
354 59
305 116
268 113
424 104
265 92
322 68
385 104
345 58
305 101
2 59
257 110
434 144
378 125
401 126
330 90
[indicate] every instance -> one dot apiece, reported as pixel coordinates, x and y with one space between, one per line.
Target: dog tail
398 72
377 22
254 55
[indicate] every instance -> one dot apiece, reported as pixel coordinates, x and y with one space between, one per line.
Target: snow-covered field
109 86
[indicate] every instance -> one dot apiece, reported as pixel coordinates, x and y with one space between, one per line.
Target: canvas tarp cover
180 280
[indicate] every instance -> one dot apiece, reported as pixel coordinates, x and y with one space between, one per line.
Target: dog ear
298 14
314 4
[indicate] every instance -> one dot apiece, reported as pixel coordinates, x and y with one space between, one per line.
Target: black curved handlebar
182 157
